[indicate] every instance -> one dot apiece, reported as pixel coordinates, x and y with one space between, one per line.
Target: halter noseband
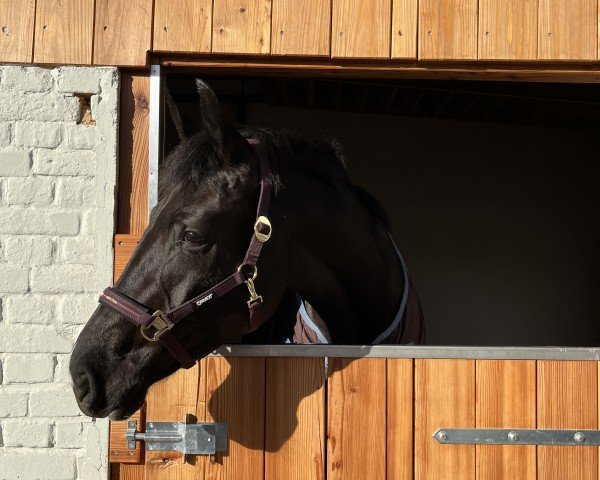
156 326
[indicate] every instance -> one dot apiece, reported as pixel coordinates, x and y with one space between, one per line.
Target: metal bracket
516 436
187 438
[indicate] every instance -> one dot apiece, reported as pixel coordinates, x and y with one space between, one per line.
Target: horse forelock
194 162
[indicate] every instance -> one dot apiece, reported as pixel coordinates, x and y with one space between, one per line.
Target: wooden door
295 418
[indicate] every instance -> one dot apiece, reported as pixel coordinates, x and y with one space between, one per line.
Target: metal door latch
516 436
184 437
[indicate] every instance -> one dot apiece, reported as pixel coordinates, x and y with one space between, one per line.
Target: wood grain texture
567 397
64 32
132 208
125 244
361 28
304 67
400 418
404 28
568 30
447 29
301 28
295 419
122 32
170 400
444 398
235 390
241 26
508 29
118 452
505 398
187 28
16 35
128 471
356 416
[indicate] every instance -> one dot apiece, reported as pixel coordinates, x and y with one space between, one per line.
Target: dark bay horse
330 247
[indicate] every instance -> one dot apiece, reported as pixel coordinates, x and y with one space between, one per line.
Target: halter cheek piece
156 326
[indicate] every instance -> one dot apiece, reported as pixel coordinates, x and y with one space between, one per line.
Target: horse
329 253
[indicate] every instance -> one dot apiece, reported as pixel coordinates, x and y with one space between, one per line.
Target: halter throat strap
157 326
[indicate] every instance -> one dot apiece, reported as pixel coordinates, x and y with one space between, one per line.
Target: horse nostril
82 386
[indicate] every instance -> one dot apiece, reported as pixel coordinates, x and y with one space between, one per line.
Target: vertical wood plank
124 247
64 31
361 28
118 451
128 472
508 29
295 419
132 208
404 28
301 28
241 26
187 28
357 419
16 37
444 398
122 32
400 418
169 401
447 29
236 394
506 398
568 30
567 398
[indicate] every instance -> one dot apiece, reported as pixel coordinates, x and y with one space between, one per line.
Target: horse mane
195 160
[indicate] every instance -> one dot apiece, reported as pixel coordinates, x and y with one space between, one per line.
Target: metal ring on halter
254 271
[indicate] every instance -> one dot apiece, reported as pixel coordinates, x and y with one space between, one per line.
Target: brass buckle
262 237
160 324
254 297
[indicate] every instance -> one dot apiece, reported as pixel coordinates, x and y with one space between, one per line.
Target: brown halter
156 326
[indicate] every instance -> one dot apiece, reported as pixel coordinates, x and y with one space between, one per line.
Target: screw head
150 447
131 424
130 454
151 425
579 437
208 439
442 436
513 436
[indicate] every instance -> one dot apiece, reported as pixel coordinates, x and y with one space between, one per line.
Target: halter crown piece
156 326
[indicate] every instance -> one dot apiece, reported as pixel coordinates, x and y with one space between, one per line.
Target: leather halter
156 326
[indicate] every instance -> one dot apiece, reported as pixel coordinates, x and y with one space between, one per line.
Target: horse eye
191 236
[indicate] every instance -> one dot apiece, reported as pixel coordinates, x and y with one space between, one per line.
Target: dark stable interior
491 188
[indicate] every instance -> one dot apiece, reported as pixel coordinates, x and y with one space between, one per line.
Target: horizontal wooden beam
505 71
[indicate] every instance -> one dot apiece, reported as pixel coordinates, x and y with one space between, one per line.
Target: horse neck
343 262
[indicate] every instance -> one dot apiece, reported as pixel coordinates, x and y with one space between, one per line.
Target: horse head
328 243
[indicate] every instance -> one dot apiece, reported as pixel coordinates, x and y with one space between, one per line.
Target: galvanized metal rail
406 351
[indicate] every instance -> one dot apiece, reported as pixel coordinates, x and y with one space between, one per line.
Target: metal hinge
516 436
184 437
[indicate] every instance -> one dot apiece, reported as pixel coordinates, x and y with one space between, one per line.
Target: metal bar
187 438
154 134
404 351
516 436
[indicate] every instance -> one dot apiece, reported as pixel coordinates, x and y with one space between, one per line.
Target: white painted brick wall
57 184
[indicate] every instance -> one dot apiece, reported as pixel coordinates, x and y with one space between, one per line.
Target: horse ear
217 123
175 115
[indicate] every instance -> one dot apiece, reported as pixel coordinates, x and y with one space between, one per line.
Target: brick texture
57 183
